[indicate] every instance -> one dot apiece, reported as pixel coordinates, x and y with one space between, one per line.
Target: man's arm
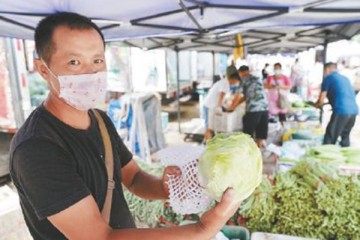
321 99
83 221
221 99
145 185
237 100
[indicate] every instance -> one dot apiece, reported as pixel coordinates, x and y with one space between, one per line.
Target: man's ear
42 69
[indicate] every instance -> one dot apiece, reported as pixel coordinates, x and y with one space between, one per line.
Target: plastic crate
236 232
272 236
231 232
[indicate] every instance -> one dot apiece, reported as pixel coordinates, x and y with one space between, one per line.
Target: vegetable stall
312 199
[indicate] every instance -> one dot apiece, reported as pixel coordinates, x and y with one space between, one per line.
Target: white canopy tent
267 26
212 18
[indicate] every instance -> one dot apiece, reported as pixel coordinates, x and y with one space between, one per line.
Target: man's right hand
218 110
216 218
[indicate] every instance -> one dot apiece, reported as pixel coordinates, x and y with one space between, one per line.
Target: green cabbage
230 160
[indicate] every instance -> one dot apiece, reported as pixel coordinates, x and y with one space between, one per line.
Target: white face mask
82 91
277 72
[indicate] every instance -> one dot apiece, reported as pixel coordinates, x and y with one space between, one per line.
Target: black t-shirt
53 166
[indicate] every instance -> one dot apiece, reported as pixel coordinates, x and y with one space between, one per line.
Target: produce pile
301 104
333 154
310 200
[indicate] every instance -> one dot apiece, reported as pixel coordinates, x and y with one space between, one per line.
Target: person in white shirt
214 100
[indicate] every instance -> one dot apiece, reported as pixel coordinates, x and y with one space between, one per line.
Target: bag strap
109 162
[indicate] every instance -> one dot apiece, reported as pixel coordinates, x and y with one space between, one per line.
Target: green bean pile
310 200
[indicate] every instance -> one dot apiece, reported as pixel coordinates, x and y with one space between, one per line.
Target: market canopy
261 41
266 25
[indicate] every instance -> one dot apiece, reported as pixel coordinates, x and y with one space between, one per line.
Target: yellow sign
239 48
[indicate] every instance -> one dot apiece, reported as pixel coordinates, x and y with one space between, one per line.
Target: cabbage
230 160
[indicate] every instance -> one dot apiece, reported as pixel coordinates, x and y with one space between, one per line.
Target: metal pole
17 101
178 89
213 63
325 50
324 61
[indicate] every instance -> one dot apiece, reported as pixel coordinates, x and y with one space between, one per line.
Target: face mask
277 72
82 91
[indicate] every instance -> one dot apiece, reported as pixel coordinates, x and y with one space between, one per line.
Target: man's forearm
221 99
321 99
192 231
148 186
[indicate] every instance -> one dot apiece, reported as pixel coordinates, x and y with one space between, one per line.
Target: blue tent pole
178 89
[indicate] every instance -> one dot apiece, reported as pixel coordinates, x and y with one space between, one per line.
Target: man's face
76 51
244 74
233 81
327 71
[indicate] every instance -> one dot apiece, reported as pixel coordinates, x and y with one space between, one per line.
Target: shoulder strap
106 211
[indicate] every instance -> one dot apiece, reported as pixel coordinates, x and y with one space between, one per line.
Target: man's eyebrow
99 55
80 55
73 54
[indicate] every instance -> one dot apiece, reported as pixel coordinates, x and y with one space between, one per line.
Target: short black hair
330 64
244 68
235 76
46 27
277 64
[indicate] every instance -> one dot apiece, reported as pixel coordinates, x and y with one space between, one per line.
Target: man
255 121
57 156
213 103
341 96
278 86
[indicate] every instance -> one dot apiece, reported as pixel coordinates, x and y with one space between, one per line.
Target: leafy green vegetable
352 155
230 161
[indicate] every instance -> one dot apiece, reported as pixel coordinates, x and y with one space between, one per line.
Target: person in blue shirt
338 90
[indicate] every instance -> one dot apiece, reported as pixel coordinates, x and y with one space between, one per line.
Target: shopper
57 156
338 90
278 86
255 120
213 103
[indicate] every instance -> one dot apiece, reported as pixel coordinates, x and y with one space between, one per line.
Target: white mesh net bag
186 194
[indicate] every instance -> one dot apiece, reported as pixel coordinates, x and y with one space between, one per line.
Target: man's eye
99 61
74 62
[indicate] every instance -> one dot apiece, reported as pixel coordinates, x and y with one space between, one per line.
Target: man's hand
170 170
209 134
216 218
218 110
321 99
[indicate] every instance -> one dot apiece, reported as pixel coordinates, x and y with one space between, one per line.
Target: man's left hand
170 170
